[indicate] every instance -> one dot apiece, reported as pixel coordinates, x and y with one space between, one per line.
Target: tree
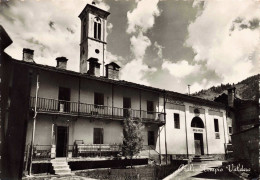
133 140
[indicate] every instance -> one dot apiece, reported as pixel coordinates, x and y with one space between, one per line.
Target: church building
80 114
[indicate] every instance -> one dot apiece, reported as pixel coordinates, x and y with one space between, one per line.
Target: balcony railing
43 152
83 109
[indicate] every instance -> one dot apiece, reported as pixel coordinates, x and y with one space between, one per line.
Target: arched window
97 28
84 29
197 122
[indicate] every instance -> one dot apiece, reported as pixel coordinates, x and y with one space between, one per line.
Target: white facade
181 140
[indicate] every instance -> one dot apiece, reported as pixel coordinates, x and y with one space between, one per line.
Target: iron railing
41 152
68 107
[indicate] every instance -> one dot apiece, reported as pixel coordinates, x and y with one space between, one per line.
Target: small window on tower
97 28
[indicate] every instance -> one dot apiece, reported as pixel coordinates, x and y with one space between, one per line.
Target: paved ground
205 170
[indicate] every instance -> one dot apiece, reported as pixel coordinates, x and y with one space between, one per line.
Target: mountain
246 89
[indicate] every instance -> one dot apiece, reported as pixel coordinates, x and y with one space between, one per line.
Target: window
150 107
197 122
216 125
98 99
151 138
97 28
230 130
176 121
98 136
64 98
126 106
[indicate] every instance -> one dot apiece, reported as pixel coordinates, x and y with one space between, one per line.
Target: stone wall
246 147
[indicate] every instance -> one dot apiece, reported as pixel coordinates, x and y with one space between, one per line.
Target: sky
167 44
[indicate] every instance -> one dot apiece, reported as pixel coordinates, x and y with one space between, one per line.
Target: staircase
60 166
201 158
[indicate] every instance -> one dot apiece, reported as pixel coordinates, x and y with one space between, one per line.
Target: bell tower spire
93 36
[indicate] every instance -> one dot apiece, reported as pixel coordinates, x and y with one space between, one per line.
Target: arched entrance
198 135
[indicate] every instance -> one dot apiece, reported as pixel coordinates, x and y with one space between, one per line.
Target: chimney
28 55
112 71
94 67
61 62
231 96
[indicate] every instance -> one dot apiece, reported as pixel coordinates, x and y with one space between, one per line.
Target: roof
5 39
93 8
62 59
113 64
177 96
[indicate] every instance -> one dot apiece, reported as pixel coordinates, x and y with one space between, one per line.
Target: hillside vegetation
246 89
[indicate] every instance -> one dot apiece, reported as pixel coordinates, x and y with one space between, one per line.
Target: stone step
59 160
61 167
59 164
202 158
62 171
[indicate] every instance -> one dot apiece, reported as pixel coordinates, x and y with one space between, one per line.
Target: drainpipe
164 104
186 132
34 123
225 142
206 132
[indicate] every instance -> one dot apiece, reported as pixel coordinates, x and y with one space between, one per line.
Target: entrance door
62 139
198 143
126 106
64 98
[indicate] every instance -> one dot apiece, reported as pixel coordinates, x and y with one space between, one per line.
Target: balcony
54 106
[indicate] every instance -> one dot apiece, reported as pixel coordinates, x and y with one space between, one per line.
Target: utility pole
188 89
34 123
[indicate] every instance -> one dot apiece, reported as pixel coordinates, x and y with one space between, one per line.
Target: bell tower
93 36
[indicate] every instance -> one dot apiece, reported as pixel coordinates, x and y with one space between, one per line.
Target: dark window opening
151 138
99 31
216 125
126 106
98 136
230 130
150 107
97 51
97 28
98 99
177 121
64 98
197 122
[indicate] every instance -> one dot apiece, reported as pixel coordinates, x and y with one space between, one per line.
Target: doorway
64 98
198 143
62 139
126 106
